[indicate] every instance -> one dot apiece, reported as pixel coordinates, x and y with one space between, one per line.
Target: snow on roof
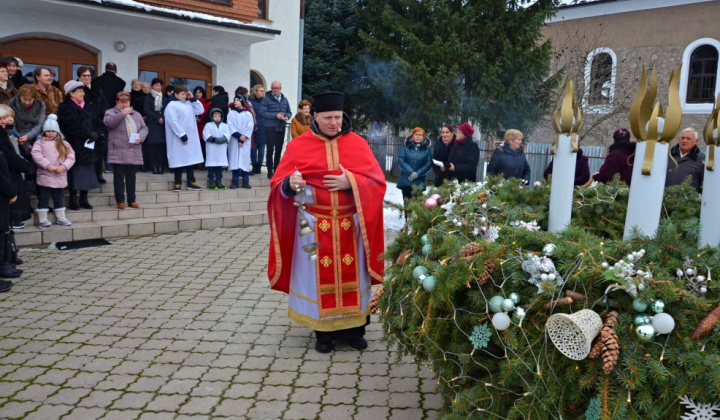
180 13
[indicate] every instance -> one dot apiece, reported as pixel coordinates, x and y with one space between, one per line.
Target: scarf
80 104
4 85
130 125
157 97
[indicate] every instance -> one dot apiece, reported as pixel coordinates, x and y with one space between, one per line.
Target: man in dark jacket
8 196
110 84
275 111
686 160
219 100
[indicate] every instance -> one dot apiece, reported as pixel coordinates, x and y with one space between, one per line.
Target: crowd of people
58 137
456 156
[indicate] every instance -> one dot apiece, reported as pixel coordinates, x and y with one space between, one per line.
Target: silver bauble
496 303
645 332
508 305
515 297
518 314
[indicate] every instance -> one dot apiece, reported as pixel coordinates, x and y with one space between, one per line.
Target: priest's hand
337 182
452 167
297 183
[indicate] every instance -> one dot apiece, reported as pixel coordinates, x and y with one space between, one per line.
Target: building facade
197 42
603 44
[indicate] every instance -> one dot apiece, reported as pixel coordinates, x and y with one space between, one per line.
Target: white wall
228 50
278 59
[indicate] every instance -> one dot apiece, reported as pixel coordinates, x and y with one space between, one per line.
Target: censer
305 229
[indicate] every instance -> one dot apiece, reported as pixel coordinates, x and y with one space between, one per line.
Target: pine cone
489 269
610 349
597 348
470 251
375 298
482 197
707 324
403 256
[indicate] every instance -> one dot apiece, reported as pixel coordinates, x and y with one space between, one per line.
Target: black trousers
275 140
188 170
406 192
156 154
45 194
124 178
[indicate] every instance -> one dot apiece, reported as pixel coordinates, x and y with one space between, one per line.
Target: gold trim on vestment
328 324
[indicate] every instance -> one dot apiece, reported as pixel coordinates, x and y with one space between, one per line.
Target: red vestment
314 157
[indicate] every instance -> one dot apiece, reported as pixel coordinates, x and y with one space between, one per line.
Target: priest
334 172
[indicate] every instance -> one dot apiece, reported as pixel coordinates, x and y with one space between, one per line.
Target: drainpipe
300 48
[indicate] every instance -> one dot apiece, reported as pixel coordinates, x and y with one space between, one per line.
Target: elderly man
47 93
110 84
275 111
686 160
334 172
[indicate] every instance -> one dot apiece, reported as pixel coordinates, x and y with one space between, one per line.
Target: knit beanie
51 124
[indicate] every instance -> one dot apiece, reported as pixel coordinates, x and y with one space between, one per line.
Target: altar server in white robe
241 125
216 135
181 133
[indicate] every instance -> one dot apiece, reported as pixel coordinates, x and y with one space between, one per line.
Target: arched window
698 77
600 68
702 75
256 78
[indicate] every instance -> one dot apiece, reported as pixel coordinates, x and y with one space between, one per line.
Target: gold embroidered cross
326 261
346 224
324 225
347 259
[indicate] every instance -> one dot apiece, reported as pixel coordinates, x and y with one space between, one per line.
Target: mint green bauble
641 318
429 283
426 249
639 305
496 304
420 271
424 239
508 305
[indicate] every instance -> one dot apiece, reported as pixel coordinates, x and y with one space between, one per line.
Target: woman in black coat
20 209
509 159
463 157
8 196
79 124
96 103
154 108
441 150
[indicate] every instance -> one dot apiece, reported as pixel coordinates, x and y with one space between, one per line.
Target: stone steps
161 211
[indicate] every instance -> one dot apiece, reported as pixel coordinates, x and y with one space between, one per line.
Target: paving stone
119 382
157 416
82 413
199 405
9 388
339 396
302 411
68 396
179 386
404 399
334 412
149 384
432 401
269 410
16 409
403 384
306 395
167 403
247 390
372 398
36 392
100 399
341 381
273 392
364 413
233 408
49 412
207 389
406 414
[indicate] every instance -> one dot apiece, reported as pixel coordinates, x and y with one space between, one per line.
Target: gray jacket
270 107
28 122
691 165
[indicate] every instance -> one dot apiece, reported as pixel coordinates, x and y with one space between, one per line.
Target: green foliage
438 61
520 374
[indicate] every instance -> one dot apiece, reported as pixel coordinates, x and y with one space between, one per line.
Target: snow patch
181 13
394 219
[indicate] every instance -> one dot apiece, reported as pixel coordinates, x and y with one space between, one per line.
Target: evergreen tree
330 46
459 60
480 245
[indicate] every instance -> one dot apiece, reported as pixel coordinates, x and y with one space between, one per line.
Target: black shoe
358 343
8 272
72 202
270 173
17 225
246 186
323 346
5 285
17 261
101 179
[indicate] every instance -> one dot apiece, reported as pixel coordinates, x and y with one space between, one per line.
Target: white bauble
508 305
663 323
501 321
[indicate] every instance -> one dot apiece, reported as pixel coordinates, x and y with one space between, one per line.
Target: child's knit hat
51 124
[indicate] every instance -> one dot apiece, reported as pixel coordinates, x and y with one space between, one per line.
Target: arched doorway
64 57
174 69
256 79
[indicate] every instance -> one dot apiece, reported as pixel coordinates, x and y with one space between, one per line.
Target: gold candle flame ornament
645 114
568 119
710 133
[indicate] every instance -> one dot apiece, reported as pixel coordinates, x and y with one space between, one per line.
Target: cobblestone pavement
183 326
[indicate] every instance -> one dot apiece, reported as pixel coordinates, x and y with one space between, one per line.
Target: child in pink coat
53 156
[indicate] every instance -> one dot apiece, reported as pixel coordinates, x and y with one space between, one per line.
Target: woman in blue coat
415 162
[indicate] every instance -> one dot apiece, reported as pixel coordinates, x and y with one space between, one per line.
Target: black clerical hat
328 101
